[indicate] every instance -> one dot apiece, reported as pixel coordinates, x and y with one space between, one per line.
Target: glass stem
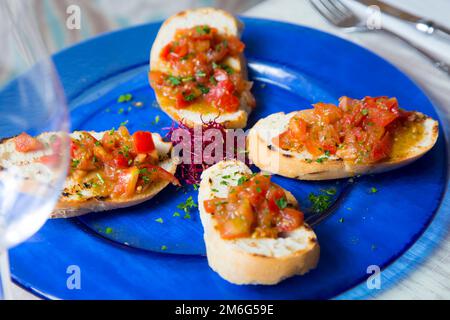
5 276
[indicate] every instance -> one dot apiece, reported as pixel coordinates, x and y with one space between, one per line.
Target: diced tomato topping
357 130
198 70
126 183
143 142
255 208
26 143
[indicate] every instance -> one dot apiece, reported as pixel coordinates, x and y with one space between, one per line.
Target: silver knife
421 24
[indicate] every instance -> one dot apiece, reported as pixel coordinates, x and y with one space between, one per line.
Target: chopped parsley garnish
331 191
121 110
212 80
327 153
242 180
228 69
111 132
100 178
97 143
187 216
258 189
75 163
122 124
108 230
365 112
163 248
176 214
214 190
156 121
223 182
175 81
187 79
200 74
187 205
320 202
125 98
321 159
203 89
195 186
341 220
373 190
281 203
160 220
189 97
202 30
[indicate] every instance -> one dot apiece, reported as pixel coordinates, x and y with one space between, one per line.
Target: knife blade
422 24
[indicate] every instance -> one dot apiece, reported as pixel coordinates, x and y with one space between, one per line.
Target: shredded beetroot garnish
190 173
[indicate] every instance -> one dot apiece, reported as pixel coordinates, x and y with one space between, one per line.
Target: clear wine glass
31 101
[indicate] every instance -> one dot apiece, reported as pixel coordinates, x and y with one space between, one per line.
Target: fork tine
325 12
341 8
332 9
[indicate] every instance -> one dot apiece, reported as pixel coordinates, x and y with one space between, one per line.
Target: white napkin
437 45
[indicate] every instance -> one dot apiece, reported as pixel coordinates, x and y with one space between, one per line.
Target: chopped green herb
121 110
331 191
75 163
187 216
187 79
97 143
212 80
228 69
108 230
200 74
258 189
195 186
202 30
320 202
214 190
175 81
111 132
160 220
100 178
224 183
373 190
189 97
327 153
341 220
365 112
176 214
124 123
163 248
187 205
281 203
125 98
321 159
203 89
242 180
156 121
308 160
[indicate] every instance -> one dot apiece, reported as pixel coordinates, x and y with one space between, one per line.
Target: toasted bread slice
226 24
303 166
70 203
252 260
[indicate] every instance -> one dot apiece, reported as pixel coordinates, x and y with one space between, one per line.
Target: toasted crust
70 206
226 24
268 157
248 260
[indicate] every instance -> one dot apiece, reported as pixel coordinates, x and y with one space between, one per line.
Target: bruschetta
108 170
253 230
198 69
356 137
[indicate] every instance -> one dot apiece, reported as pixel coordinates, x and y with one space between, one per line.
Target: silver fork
339 15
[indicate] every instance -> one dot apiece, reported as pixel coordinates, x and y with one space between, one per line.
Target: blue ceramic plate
128 254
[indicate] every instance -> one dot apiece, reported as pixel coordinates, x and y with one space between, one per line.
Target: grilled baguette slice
247 260
71 204
303 166
226 24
